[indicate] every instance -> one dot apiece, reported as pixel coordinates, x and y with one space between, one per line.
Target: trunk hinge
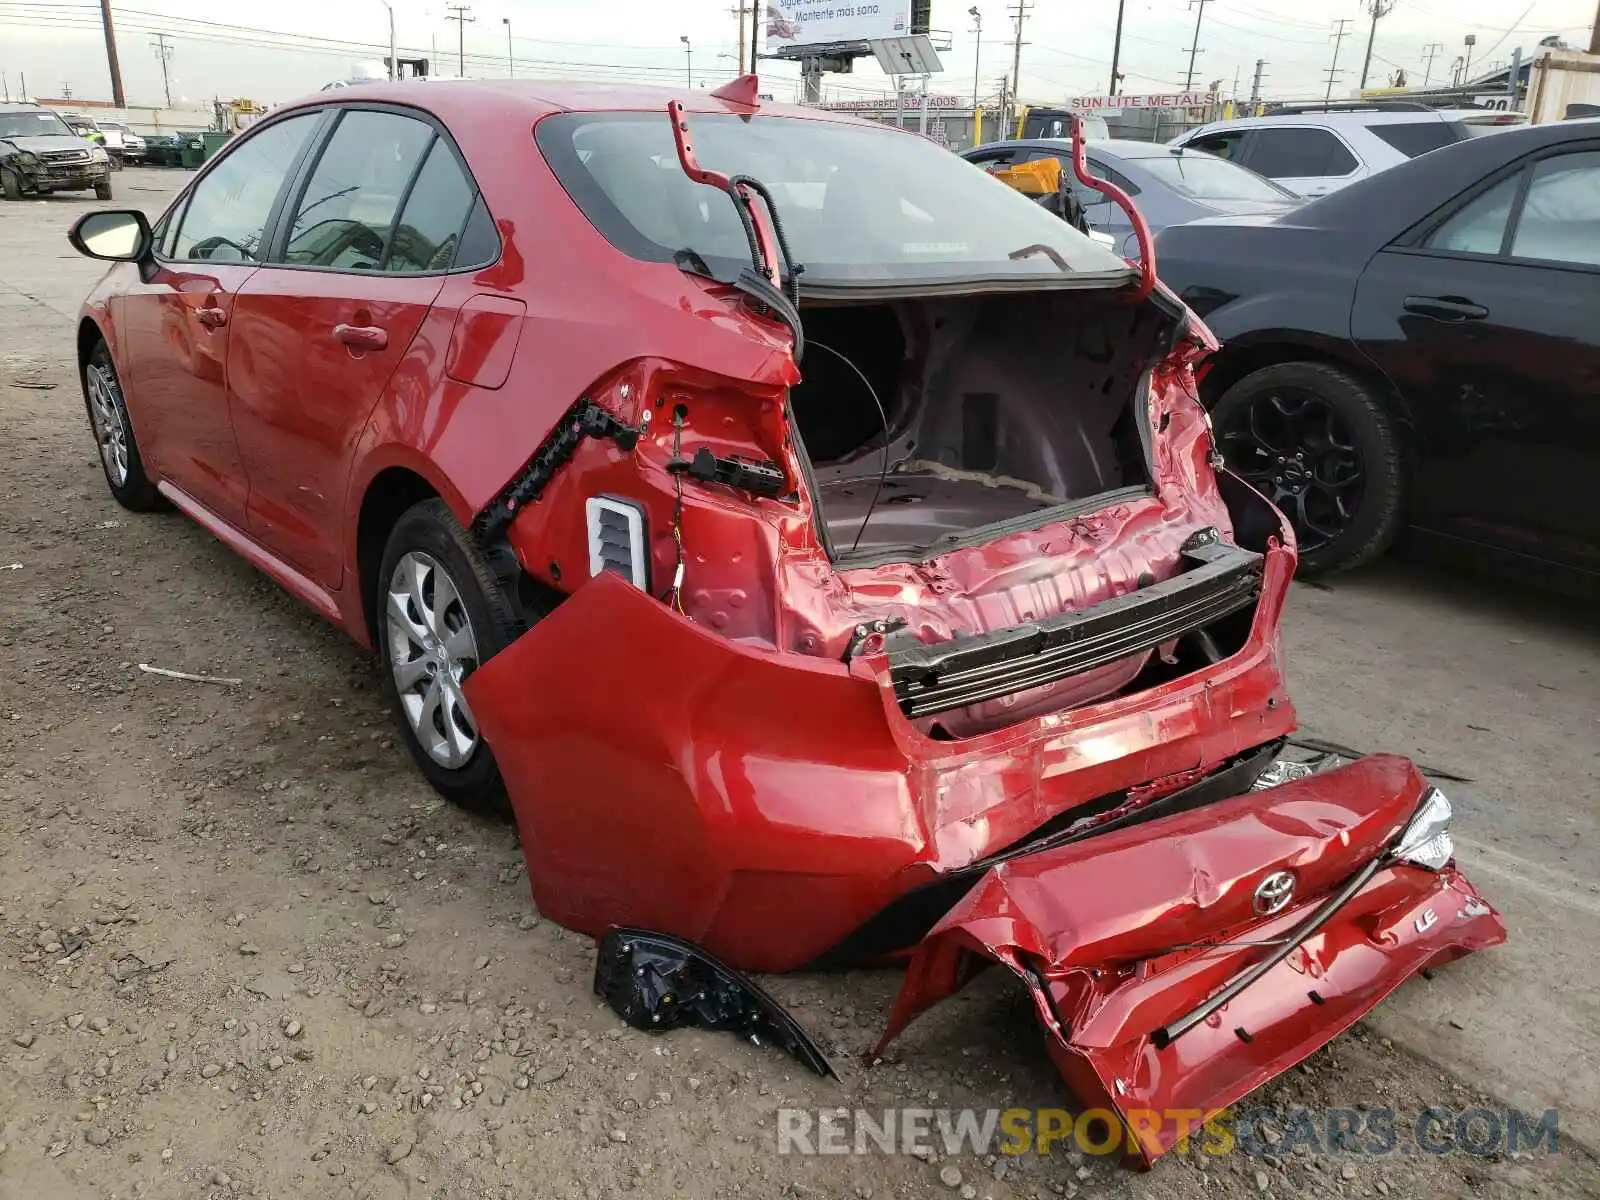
1141 228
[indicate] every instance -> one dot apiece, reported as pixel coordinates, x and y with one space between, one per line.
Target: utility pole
66 89
1340 32
1116 50
1378 8
1255 84
739 8
458 14
511 63
1019 14
1431 49
1594 32
117 97
688 62
755 32
1194 47
159 42
394 59
1466 65
977 49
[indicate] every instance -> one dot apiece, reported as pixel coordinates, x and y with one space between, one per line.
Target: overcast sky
1067 48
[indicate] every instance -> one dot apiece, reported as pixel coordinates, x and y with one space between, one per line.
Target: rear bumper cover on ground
1113 958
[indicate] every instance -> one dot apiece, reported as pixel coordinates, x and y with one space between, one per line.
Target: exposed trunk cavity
998 407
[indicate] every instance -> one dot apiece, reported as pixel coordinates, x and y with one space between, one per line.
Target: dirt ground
244 951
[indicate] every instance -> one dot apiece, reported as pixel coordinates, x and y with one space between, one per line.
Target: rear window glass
857 203
1205 177
1413 138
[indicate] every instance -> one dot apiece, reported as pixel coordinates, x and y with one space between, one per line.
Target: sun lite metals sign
1154 100
793 23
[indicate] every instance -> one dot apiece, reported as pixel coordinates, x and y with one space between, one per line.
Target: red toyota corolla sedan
820 544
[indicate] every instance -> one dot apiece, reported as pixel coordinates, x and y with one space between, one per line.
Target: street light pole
511 63
688 61
977 48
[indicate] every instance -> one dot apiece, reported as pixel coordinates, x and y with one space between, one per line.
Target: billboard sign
792 24
1102 104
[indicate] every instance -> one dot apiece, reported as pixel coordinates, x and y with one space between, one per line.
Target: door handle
362 337
211 316
1445 308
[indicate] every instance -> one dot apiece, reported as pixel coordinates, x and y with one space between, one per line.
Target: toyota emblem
1274 893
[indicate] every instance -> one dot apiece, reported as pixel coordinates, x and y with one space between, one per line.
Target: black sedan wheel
1319 445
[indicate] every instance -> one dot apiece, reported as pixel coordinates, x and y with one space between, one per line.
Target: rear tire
439 614
1320 445
113 431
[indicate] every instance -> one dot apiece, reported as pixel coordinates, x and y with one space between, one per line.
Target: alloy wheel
1298 451
431 652
110 430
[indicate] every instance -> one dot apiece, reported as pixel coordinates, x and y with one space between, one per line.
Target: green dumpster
212 142
191 151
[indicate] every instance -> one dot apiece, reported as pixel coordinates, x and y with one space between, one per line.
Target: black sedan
1419 349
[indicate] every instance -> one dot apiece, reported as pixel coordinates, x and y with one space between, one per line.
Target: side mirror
118 235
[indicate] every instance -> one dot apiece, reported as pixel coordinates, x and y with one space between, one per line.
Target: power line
458 14
1431 50
1341 31
1019 13
158 43
1194 46
1378 8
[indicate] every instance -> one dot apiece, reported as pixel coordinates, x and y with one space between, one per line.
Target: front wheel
10 185
440 614
102 190
113 434
1320 445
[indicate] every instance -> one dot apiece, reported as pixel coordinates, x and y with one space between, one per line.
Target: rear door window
435 214
227 213
347 211
1415 138
1560 217
1299 152
1479 226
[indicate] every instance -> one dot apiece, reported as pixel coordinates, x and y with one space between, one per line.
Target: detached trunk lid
1119 938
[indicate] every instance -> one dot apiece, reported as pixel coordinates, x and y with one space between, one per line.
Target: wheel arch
387 496
89 333
1237 359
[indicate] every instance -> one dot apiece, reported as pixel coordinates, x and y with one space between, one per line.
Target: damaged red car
819 544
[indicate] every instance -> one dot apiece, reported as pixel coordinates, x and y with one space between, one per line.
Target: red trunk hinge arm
757 221
1141 229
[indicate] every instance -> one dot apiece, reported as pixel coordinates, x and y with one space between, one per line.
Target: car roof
1409 191
530 99
1359 116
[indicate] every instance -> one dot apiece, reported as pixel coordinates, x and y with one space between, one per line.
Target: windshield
1201 176
858 204
31 124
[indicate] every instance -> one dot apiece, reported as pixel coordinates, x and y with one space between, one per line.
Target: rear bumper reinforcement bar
1219 579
